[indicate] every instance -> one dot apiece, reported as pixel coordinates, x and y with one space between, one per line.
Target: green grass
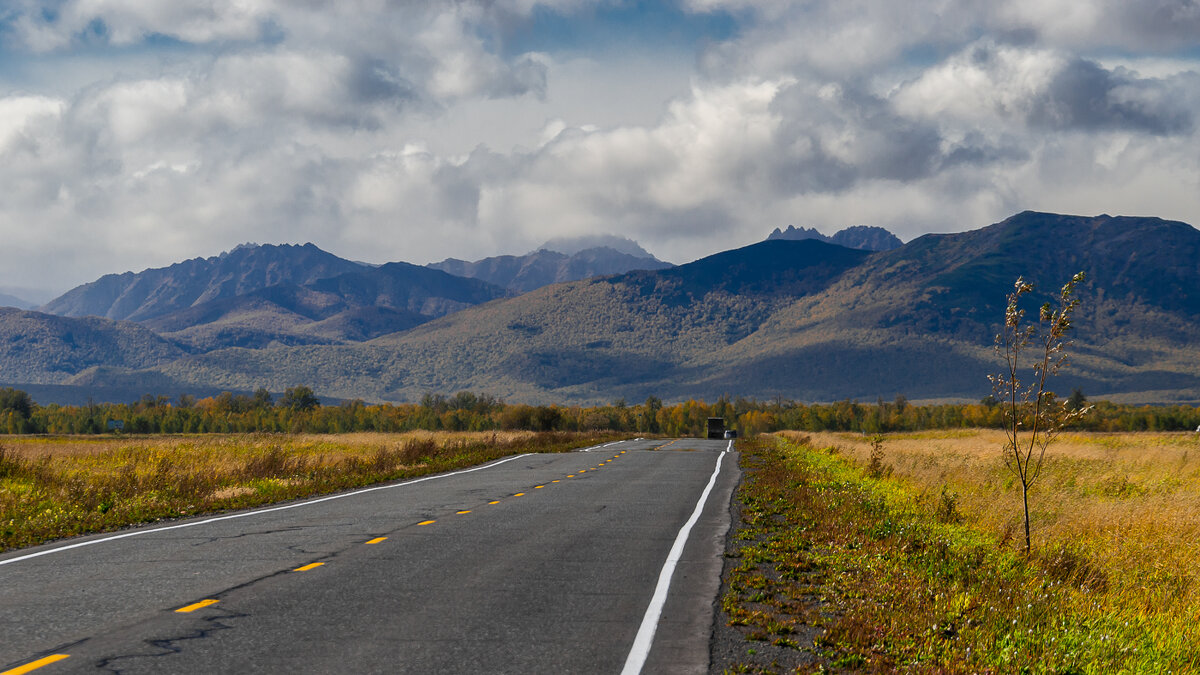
889 580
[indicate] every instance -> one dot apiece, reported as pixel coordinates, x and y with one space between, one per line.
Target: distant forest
299 411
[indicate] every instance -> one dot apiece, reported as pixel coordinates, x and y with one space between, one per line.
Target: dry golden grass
1122 507
57 486
1123 496
36 447
225 455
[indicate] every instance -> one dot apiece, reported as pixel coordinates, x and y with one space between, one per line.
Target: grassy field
906 557
52 487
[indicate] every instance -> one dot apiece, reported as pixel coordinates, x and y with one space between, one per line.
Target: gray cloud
1083 95
375 80
1170 22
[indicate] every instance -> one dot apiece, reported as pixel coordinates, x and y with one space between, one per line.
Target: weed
1067 564
947 508
9 466
876 467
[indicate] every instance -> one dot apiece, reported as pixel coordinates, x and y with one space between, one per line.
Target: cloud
24 121
1160 26
1083 95
386 131
48 26
987 84
443 50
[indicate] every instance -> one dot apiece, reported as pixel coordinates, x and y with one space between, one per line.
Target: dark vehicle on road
716 427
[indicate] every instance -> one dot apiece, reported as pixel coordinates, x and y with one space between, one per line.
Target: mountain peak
862 237
7 300
240 247
251 247
556 261
572 245
154 292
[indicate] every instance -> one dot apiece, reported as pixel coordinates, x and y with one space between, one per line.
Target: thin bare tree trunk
1025 500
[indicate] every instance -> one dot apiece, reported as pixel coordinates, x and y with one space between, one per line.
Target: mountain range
259 296
800 318
862 237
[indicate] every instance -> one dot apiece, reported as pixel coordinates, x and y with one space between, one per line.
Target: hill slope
920 320
13 301
802 319
355 306
521 274
154 292
585 340
47 349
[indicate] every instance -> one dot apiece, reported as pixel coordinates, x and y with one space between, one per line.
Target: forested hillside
800 319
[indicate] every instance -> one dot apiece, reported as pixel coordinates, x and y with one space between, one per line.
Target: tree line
298 410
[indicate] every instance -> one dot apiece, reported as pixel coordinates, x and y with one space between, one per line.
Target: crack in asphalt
168 646
298 548
290 528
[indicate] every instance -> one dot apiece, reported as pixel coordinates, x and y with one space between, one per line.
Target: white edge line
645 635
600 447
309 502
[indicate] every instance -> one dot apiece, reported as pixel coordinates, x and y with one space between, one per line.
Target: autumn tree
16 401
1033 352
299 398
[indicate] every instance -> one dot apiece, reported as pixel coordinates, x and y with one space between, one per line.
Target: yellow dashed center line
557 481
54 658
30 667
195 606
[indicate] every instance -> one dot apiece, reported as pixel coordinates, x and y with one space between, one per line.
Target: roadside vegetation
904 553
299 411
52 487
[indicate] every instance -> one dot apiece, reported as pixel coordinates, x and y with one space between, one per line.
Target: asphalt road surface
605 561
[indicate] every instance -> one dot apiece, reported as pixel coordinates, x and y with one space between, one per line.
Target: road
543 563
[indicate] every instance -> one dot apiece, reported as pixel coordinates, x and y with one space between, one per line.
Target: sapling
1033 415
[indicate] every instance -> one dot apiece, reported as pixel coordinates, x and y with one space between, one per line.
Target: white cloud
26 119
408 131
989 86
983 84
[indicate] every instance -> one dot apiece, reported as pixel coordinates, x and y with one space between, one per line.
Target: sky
139 133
